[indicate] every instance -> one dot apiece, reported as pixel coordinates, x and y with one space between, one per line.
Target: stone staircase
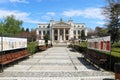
60 44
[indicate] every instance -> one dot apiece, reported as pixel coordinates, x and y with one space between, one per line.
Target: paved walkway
57 63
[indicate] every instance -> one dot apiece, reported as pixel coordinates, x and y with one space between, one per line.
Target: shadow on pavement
87 64
72 50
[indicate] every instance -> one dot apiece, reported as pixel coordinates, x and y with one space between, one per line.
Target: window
43 32
43 26
39 26
48 32
78 32
66 32
40 32
74 32
48 26
55 32
66 37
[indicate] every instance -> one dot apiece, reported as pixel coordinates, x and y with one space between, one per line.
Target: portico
60 34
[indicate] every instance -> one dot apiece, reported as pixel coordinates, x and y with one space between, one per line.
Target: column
41 34
52 34
64 34
69 34
58 34
77 34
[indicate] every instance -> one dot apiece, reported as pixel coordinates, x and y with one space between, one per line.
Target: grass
115 51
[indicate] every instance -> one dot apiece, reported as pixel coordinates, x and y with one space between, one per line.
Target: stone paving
57 63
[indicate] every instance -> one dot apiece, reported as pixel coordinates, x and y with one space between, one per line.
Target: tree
46 38
22 29
83 35
27 29
112 13
1 27
101 32
33 35
10 26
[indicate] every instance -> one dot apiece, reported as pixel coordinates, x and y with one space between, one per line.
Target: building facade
60 31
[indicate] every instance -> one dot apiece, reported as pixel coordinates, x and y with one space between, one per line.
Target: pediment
61 24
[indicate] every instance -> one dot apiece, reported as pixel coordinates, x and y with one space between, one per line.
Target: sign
9 43
102 43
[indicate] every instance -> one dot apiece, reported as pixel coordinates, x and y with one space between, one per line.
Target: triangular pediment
61 24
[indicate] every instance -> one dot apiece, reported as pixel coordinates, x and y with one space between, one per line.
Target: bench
95 57
42 48
14 56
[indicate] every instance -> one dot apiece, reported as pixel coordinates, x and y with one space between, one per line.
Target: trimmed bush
32 47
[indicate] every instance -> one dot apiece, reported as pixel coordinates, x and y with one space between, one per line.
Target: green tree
10 26
101 32
22 29
83 35
1 27
46 38
27 29
112 13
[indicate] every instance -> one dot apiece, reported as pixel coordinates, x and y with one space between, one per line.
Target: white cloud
48 15
72 13
100 23
87 13
19 1
51 13
24 16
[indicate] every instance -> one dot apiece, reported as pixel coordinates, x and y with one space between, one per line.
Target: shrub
32 47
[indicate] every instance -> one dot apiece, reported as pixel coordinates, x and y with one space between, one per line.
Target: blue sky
33 12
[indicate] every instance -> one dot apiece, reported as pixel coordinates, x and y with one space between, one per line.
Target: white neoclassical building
60 31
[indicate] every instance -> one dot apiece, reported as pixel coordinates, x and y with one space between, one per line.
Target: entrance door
61 35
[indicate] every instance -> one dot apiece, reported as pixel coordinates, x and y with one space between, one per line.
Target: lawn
115 51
